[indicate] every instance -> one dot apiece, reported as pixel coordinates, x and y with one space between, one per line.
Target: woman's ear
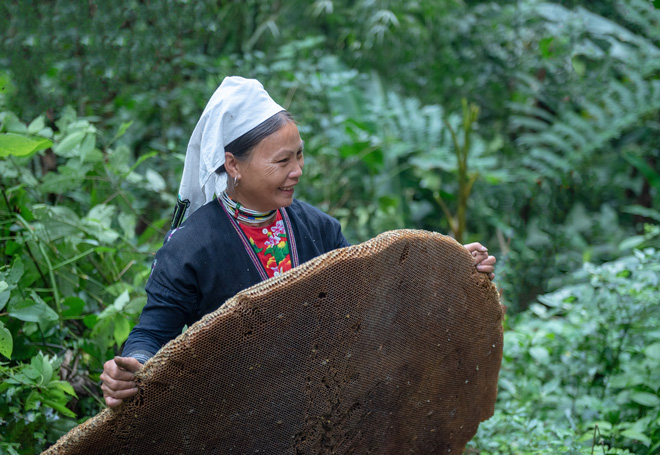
231 166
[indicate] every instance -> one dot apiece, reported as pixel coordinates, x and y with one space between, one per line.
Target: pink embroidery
278 229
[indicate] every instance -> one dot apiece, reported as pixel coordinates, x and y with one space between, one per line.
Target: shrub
581 366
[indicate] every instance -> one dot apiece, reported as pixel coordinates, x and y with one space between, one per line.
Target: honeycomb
391 346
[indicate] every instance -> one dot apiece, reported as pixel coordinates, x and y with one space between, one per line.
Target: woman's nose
296 172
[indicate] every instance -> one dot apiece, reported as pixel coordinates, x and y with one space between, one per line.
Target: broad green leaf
122 329
60 408
32 400
102 214
37 125
97 223
87 147
121 301
73 307
652 351
545 46
58 213
632 242
155 182
578 65
637 436
4 294
642 166
12 247
90 320
5 385
5 82
31 311
560 297
135 305
540 354
508 385
16 272
539 310
63 386
6 341
127 222
643 211
645 398
603 426
12 124
69 143
28 373
21 145
120 132
107 314
619 381
43 367
60 183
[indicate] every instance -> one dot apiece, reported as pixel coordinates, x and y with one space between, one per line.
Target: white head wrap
236 107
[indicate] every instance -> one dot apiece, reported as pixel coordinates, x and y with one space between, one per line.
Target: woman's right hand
119 380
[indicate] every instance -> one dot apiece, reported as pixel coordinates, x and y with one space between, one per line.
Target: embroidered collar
243 214
293 249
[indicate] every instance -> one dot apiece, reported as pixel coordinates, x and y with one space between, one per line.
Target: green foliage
99 54
35 400
612 88
72 273
584 356
580 111
562 168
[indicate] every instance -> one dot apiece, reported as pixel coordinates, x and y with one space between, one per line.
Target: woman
246 149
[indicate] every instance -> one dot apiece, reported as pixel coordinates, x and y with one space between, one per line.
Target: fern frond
527 123
528 81
572 136
642 14
571 139
643 91
542 160
434 115
626 96
581 125
392 111
412 132
563 131
532 111
552 138
543 154
410 122
596 112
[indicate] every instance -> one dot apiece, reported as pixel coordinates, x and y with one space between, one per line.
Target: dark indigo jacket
203 263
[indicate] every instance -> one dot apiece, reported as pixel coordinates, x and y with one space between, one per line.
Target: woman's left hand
482 260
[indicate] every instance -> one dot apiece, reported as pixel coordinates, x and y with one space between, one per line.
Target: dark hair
243 145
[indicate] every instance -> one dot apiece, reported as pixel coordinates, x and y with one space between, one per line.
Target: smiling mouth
287 188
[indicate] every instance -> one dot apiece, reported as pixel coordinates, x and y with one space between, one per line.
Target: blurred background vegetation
532 127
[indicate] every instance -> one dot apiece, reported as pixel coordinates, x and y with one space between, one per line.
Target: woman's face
267 177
